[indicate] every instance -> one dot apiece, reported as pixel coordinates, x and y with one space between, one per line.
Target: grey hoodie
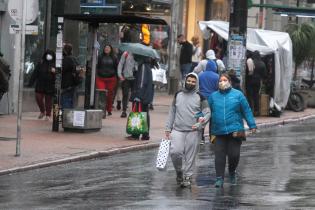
186 105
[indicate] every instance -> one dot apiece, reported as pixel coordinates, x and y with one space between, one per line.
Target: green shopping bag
137 122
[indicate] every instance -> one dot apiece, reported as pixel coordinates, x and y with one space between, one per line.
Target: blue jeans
185 69
67 99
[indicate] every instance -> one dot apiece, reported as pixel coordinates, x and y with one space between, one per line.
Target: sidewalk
40 147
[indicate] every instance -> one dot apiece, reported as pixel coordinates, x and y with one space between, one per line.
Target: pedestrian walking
126 70
256 73
185 56
5 73
183 128
44 77
70 77
208 83
210 55
107 75
197 53
142 93
228 109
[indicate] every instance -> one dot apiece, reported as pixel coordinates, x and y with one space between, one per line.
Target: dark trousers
253 96
145 108
44 103
67 97
127 87
226 146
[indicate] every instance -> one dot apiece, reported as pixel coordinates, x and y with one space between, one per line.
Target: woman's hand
253 130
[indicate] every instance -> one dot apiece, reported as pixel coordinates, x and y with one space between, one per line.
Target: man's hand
121 78
195 126
53 70
201 119
167 134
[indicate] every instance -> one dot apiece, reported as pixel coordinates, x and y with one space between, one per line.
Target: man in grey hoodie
188 114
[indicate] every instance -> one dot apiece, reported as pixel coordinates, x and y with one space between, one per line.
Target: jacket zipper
224 116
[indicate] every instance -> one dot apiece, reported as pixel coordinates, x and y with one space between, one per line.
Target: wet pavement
275 172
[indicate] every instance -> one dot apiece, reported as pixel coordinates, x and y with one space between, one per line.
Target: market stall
267 43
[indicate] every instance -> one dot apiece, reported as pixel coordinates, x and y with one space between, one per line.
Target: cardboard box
264 105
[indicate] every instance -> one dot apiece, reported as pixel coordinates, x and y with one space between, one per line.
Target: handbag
163 154
159 76
137 122
239 135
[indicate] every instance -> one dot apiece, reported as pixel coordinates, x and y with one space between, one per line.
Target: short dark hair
180 35
67 49
192 76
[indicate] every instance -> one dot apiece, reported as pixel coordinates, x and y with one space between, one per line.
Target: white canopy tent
266 42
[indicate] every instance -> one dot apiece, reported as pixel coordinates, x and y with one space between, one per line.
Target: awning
100 18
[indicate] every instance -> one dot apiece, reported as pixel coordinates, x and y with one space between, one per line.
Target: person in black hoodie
254 82
69 77
107 75
44 76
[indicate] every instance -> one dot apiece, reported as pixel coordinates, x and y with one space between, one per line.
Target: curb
92 155
100 154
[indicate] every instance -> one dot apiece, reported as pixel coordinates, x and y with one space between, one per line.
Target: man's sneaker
179 178
186 182
233 179
202 141
123 115
219 182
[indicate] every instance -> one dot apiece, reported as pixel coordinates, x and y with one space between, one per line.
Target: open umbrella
139 49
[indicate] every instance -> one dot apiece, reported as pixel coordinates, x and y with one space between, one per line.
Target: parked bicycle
295 101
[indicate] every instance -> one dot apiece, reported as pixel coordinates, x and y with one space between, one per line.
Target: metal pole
20 93
94 54
173 51
237 38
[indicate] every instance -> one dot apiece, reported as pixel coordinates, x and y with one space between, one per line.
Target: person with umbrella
142 93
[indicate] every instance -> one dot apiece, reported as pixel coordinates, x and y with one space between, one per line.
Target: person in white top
197 53
210 55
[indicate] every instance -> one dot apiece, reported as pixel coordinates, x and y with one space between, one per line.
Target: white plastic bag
163 153
159 76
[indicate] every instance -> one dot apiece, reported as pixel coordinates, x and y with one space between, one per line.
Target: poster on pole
237 52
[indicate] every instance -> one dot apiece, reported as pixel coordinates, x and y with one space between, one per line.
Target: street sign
15 10
29 29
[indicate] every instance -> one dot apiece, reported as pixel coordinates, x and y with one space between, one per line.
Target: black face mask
189 86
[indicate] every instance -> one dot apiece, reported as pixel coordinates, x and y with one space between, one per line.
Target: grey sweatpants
184 148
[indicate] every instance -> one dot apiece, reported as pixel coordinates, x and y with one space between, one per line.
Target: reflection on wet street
275 172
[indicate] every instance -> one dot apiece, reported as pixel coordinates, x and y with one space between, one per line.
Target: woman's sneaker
41 115
233 179
219 182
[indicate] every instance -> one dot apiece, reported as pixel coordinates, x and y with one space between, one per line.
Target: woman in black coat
44 77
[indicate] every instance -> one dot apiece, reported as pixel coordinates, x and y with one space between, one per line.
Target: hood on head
197 81
210 54
211 66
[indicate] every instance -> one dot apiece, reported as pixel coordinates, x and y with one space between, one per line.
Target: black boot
118 107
